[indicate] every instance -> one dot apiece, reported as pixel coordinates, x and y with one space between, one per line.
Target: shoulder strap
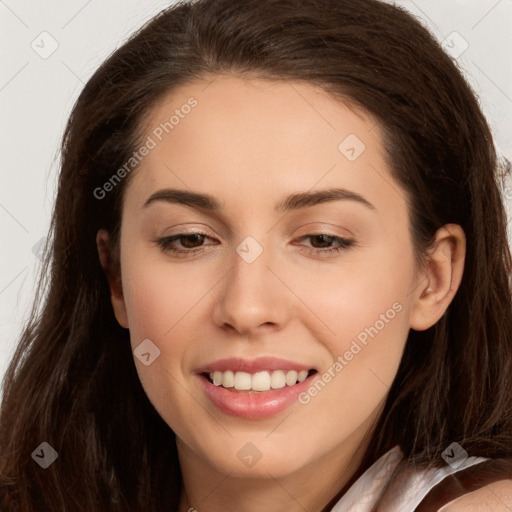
465 481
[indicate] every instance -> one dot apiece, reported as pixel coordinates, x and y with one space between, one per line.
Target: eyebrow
292 202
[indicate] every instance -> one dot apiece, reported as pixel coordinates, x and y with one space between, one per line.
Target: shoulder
494 497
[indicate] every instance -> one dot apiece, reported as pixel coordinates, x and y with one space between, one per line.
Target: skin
496 497
250 143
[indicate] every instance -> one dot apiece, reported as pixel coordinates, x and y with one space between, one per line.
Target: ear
113 275
439 282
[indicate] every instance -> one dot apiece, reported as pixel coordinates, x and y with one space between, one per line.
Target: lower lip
260 404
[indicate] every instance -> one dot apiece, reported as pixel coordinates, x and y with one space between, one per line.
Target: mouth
258 382
255 389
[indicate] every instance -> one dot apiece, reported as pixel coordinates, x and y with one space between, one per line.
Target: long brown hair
72 382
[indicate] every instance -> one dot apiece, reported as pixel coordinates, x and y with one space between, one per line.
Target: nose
254 298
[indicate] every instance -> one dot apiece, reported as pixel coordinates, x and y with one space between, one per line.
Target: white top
405 493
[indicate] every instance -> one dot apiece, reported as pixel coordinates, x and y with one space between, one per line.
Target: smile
260 381
254 389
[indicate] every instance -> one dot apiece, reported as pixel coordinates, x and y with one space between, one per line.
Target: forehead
253 138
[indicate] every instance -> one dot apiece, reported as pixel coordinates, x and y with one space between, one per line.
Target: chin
242 458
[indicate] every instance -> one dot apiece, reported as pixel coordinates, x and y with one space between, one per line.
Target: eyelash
165 244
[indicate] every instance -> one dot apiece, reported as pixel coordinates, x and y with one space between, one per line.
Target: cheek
370 325
160 301
350 295
363 308
161 295
165 304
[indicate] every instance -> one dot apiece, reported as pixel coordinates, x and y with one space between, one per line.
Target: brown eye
325 240
191 240
183 243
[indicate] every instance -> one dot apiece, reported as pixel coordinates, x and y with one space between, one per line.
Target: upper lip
260 364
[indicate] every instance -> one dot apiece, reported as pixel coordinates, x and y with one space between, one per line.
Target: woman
279 276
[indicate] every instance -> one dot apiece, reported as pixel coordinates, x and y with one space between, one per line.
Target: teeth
260 381
217 378
302 375
242 381
291 378
228 379
278 379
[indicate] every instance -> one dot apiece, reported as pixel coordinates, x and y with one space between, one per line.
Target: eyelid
321 230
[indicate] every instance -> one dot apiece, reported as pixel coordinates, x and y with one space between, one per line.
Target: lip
260 404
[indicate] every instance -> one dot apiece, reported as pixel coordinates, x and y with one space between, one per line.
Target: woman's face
285 279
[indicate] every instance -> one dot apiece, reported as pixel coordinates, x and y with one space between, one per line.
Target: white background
37 94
